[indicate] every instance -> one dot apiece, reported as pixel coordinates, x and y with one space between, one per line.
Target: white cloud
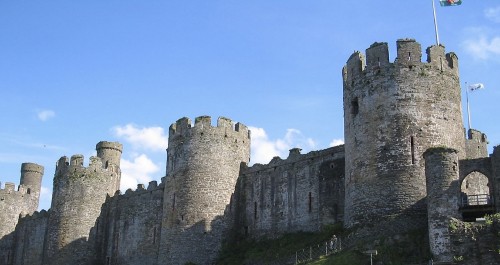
481 44
147 138
137 171
336 142
493 14
264 149
45 115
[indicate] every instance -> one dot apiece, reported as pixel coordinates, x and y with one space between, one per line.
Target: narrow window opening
107 164
29 190
378 60
310 202
412 147
173 203
355 106
409 56
255 210
108 261
246 230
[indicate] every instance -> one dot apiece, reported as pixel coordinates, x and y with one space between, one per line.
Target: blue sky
73 73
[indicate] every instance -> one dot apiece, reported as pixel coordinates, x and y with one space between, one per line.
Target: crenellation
377 55
76 161
408 51
10 187
152 185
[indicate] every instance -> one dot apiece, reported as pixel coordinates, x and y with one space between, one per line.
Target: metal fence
315 252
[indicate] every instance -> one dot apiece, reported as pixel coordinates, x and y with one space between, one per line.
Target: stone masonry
406 164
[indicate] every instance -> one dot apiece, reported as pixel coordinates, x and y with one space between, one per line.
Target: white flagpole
435 23
468 108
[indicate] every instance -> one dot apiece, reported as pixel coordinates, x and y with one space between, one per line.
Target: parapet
75 164
109 145
408 54
32 167
336 152
183 126
476 136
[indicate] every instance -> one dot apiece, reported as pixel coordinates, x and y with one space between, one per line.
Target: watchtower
393 112
31 178
79 193
203 165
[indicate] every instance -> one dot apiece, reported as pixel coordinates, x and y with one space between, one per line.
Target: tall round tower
110 154
31 178
79 193
393 112
202 168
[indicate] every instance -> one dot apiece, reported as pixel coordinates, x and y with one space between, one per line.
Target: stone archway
476 187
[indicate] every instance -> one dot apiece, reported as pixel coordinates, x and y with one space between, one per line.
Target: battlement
32 167
10 188
35 215
408 55
183 126
109 145
76 164
140 191
295 156
476 136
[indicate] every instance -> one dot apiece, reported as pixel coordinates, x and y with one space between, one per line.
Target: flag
475 87
450 2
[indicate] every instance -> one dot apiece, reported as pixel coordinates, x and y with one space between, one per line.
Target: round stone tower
79 193
441 170
393 112
31 178
202 168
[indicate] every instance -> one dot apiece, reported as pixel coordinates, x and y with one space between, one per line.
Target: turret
78 194
202 168
476 144
31 177
393 112
442 181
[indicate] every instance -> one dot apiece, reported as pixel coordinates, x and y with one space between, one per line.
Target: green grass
246 251
344 258
412 249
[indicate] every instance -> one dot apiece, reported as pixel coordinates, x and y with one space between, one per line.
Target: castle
406 164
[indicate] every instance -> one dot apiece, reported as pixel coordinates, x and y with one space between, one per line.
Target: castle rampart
202 168
300 193
393 112
128 229
29 239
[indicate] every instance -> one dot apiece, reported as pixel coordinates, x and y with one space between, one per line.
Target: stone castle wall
127 231
300 193
30 238
393 112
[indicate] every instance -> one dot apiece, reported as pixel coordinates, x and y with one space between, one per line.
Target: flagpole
468 108
435 23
